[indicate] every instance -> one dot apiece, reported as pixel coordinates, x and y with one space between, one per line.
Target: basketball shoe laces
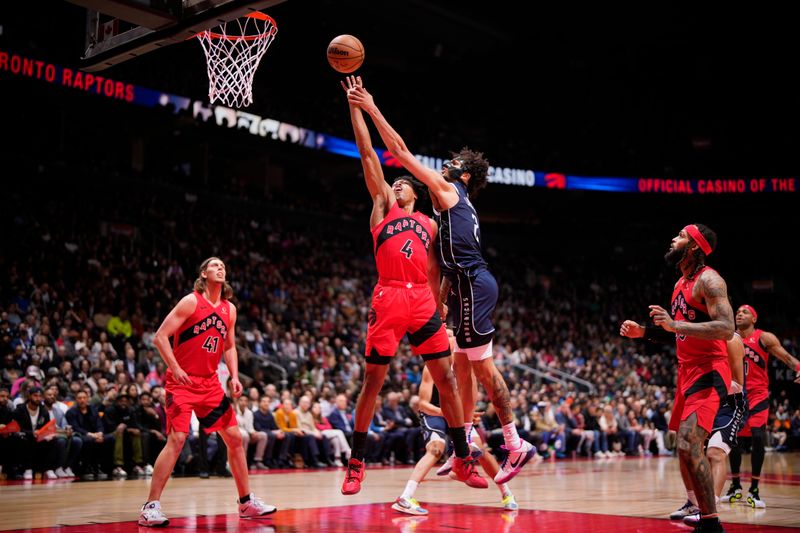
151 511
471 465
350 477
506 459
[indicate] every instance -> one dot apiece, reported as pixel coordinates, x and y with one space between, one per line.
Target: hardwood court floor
597 495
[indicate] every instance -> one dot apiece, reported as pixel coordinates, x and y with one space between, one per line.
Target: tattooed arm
711 288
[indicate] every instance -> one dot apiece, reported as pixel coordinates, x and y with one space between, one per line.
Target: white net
233 51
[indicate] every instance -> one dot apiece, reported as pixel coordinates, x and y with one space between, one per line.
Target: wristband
651 331
658 334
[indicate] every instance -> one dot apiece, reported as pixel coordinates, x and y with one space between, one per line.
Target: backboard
119 30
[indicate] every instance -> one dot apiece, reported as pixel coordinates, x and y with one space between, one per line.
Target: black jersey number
406 249
211 343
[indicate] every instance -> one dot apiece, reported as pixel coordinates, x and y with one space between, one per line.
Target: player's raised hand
631 329
360 97
662 318
351 82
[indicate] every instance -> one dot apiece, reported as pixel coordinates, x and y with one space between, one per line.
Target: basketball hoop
233 51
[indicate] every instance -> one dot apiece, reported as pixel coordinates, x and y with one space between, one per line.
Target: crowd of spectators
82 297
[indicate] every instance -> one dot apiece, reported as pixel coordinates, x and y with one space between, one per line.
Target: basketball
345 54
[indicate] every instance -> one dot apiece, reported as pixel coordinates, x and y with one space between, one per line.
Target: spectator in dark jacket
35 455
149 419
342 418
86 423
9 442
264 421
120 420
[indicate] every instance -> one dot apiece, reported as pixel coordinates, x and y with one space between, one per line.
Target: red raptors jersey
691 350
199 343
401 243
756 358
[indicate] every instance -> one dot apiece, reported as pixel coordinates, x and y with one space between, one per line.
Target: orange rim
273 28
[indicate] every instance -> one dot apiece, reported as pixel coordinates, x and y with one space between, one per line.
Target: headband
752 311
701 241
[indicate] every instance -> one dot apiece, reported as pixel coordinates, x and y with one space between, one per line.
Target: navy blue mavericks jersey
459 246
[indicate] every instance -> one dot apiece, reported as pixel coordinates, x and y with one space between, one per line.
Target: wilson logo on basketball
338 51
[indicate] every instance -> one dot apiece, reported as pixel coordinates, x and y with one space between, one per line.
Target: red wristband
797 368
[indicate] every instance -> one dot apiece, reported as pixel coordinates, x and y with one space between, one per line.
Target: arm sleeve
657 334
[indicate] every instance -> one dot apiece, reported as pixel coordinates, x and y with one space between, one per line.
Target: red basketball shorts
701 389
400 308
205 397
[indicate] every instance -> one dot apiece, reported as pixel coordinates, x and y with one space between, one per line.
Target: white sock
504 490
511 437
468 431
411 488
691 496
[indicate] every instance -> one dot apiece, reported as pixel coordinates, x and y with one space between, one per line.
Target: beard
675 256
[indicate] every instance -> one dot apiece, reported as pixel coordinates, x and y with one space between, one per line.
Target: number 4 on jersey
211 343
406 249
